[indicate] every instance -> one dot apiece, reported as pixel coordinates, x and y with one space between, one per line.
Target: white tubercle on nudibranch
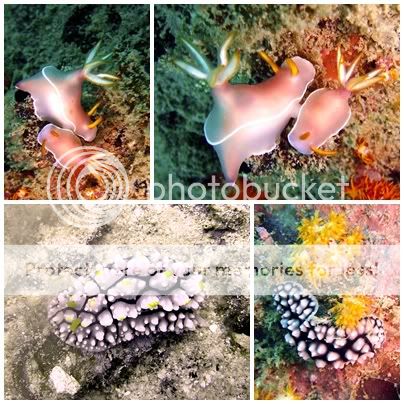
57 95
326 111
124 300
247 119
319 340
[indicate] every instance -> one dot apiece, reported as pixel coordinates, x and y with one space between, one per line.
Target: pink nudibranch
57 99
322 116
57 95
63 144
247 119
326 112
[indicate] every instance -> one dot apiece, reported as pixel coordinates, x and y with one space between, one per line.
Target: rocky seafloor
310 31
209 363
62 35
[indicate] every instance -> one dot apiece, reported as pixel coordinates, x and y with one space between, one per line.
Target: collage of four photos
201 201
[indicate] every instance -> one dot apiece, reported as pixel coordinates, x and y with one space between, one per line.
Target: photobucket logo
243 189
87 173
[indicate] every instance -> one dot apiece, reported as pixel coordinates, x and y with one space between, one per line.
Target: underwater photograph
327 305
141 307
294 101
76 102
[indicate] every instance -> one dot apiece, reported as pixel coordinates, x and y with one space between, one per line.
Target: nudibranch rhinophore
321 340
57 95
327 111
139 295
247 119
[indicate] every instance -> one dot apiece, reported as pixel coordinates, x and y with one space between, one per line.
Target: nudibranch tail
217 76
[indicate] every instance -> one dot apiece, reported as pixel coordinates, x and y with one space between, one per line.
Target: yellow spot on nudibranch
95 123
99 272
121 318
269 60
168 274
292 66
92 302
323 152
71 304
153 305
75 324
127 282
304 135
43 149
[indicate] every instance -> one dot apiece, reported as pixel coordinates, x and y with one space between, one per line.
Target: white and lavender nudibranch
326 111
57 98
321 340
248 119
134 296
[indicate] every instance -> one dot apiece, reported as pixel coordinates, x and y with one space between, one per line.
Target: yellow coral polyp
318 231
350 310
355 238
331 231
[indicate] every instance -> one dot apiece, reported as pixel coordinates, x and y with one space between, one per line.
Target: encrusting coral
140 295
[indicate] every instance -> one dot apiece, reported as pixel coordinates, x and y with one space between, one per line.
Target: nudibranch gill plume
57 95
247 119
327 111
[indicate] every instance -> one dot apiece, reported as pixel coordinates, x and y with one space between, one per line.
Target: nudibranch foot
326 112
